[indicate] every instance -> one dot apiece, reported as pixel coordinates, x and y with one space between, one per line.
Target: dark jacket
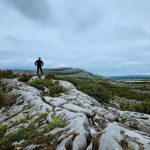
39 63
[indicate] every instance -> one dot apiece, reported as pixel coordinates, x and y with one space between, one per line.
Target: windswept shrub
3 129
144 107
6 74
24 77
90 87
31 134
95 141
6 99
49 76
54 88
56 123
95 90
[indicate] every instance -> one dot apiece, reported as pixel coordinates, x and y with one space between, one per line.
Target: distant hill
64 71
133 76
23 71
74 72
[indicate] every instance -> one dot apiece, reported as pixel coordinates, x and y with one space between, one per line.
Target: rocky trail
88 124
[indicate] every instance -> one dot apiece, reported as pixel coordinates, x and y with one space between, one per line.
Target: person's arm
42 63
35 63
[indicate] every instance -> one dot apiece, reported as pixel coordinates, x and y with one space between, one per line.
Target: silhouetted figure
39 63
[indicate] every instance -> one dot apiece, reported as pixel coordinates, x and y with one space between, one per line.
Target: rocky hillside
71 120
73 72
64 71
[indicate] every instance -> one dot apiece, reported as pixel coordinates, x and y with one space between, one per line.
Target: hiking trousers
39 69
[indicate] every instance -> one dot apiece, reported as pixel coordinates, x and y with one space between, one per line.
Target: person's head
39 58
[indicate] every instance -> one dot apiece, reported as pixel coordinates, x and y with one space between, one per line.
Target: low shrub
3 129
31 134
6 99
90 87
24 77
54 88
144 107
95 90
56 123
49 76
95 141
6 74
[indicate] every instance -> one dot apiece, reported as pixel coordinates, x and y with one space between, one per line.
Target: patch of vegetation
56 123
54 88
90 87
103 91
6 74
24 77
22 120
18 112
3 129
41 116
32 135
95 141
144 107
6 99
49 76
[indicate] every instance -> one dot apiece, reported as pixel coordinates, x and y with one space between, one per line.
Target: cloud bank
105 37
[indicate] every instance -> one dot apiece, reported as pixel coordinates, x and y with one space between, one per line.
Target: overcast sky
108 37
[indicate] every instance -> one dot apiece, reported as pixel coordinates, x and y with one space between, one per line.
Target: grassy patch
90 87
31 134
24 77
3 129
144 107
95 141
6 74
103 91
22 120
54 88
49 76
56 123
41 116
6 99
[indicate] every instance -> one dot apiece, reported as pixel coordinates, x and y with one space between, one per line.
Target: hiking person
39 63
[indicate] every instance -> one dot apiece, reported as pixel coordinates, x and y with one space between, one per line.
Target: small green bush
144 107
95 90
56 123
6 99
31 134
3 129
49 76
54 88
90 87
24 77
6 74
95 141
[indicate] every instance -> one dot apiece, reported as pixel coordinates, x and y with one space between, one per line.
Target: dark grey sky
108 37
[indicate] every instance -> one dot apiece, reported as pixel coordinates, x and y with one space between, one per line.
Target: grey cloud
130 33
105 38
32 9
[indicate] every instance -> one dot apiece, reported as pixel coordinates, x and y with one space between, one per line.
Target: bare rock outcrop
85 119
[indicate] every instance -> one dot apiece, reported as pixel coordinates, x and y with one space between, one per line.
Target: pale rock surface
84 117
114 134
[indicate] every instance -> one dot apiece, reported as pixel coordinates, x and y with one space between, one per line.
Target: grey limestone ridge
85 118
73 72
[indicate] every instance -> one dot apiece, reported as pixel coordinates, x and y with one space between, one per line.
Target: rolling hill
64 71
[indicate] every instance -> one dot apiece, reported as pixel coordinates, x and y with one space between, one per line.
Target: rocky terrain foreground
87 125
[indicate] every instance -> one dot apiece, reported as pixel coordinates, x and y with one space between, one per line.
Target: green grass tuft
3 129
54 88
